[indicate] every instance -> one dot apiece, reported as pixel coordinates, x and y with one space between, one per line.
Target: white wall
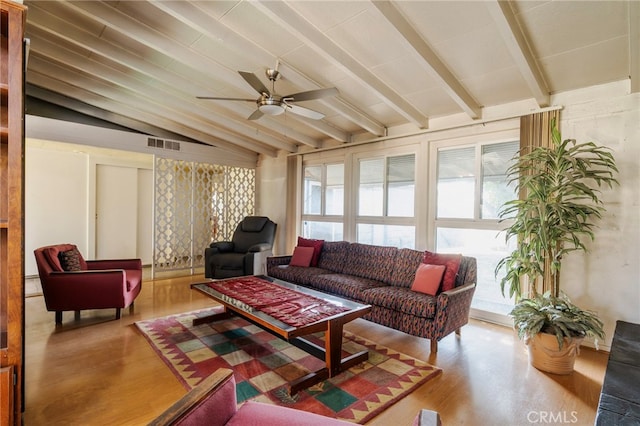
56 199
607 278
271 192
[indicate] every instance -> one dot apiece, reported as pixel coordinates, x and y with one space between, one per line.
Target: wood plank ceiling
396 64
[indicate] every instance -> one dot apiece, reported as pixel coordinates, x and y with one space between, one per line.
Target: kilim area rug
263 364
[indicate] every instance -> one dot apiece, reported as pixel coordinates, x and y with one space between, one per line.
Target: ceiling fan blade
225 99
254 82
312 94
256 114
305 112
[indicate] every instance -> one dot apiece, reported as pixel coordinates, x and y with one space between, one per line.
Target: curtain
535 131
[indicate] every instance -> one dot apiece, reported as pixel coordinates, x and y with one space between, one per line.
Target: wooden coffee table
306 321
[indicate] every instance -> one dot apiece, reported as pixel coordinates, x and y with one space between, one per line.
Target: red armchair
70 283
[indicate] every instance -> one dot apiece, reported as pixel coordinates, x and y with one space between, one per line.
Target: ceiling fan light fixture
270 103
271 109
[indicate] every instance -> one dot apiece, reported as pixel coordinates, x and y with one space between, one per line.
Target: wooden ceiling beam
437 68
516 43
338 105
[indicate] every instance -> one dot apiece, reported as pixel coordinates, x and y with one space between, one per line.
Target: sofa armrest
255 262
222 246
459 289
278 260
259 247
453 308
114 264
211 402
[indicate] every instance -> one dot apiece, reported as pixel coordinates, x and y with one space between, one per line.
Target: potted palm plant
558 204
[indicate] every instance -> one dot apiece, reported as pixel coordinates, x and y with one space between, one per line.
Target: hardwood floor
101 371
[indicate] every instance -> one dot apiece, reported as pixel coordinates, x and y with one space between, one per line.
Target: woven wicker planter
545 355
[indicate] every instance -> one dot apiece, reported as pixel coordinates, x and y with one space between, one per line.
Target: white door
116 212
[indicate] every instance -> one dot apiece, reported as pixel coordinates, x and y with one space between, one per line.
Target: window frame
476 141
476 223
384 219
323 217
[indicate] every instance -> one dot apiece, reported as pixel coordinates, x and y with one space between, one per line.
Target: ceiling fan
271 103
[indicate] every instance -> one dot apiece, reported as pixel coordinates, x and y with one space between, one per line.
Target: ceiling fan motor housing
272 74
271 105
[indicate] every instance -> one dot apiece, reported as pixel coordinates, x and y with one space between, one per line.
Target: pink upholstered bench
213 403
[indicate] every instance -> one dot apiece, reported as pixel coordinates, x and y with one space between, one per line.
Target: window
456 183
323 201
471 188
386 199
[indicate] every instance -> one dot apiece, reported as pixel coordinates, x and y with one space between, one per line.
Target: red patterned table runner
286 305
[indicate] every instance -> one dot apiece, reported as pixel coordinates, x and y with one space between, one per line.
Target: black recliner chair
245 254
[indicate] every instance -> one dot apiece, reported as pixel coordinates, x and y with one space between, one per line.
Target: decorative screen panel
238 188
195 204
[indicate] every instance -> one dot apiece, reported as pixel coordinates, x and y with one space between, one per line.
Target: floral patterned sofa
382 277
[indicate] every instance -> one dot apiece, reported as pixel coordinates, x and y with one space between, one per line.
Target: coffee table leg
333 347
333 359
213 317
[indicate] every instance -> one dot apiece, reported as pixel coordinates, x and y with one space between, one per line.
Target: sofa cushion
402 300
343 285
404 267
373 262
428 278
333 255
302 256
451 261
317 248
297 274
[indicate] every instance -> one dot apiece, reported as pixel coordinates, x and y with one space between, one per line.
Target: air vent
163 144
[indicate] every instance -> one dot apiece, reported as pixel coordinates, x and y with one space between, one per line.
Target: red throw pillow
428 278
301 256
317 248
451 261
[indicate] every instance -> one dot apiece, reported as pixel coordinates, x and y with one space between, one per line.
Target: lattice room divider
196 203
